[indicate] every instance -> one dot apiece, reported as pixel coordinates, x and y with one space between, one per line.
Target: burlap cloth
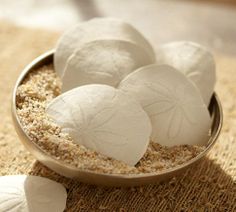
211 186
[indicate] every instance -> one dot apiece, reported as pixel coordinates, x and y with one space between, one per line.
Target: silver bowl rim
16 119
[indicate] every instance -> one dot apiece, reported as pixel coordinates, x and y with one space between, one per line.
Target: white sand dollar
192 59
104 119
103 62
97 29
31 194
173 103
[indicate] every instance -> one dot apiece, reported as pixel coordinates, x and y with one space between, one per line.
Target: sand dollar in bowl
38 85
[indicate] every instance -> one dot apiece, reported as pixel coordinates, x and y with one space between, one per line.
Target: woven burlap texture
211 186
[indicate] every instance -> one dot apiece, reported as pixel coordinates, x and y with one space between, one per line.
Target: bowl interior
69 171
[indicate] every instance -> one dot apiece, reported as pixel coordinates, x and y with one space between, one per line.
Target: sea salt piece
173 103
31 194
97 29
195 61
103 62
103 119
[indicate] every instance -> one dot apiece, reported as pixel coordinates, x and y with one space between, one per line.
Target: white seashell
173 103
103 62
104 119
97 29
21 193
194 61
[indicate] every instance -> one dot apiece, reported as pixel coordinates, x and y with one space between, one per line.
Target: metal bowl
90 177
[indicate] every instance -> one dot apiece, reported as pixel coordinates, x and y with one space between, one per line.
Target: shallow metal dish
108 179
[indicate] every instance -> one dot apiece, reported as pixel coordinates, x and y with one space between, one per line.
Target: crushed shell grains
38 89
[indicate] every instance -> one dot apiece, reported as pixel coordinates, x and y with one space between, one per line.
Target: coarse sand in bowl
42 85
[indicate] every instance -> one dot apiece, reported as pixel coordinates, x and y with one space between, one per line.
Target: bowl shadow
204 187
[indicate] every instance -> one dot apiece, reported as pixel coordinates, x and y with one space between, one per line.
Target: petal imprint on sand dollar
174 105
193 60
104 119
103 62
31 194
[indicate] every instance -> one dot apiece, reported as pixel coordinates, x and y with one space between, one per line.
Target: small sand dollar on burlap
97 29
31 194
103 119
103 62
173 103
194 60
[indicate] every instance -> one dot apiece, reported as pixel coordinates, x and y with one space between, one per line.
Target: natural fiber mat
211 186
